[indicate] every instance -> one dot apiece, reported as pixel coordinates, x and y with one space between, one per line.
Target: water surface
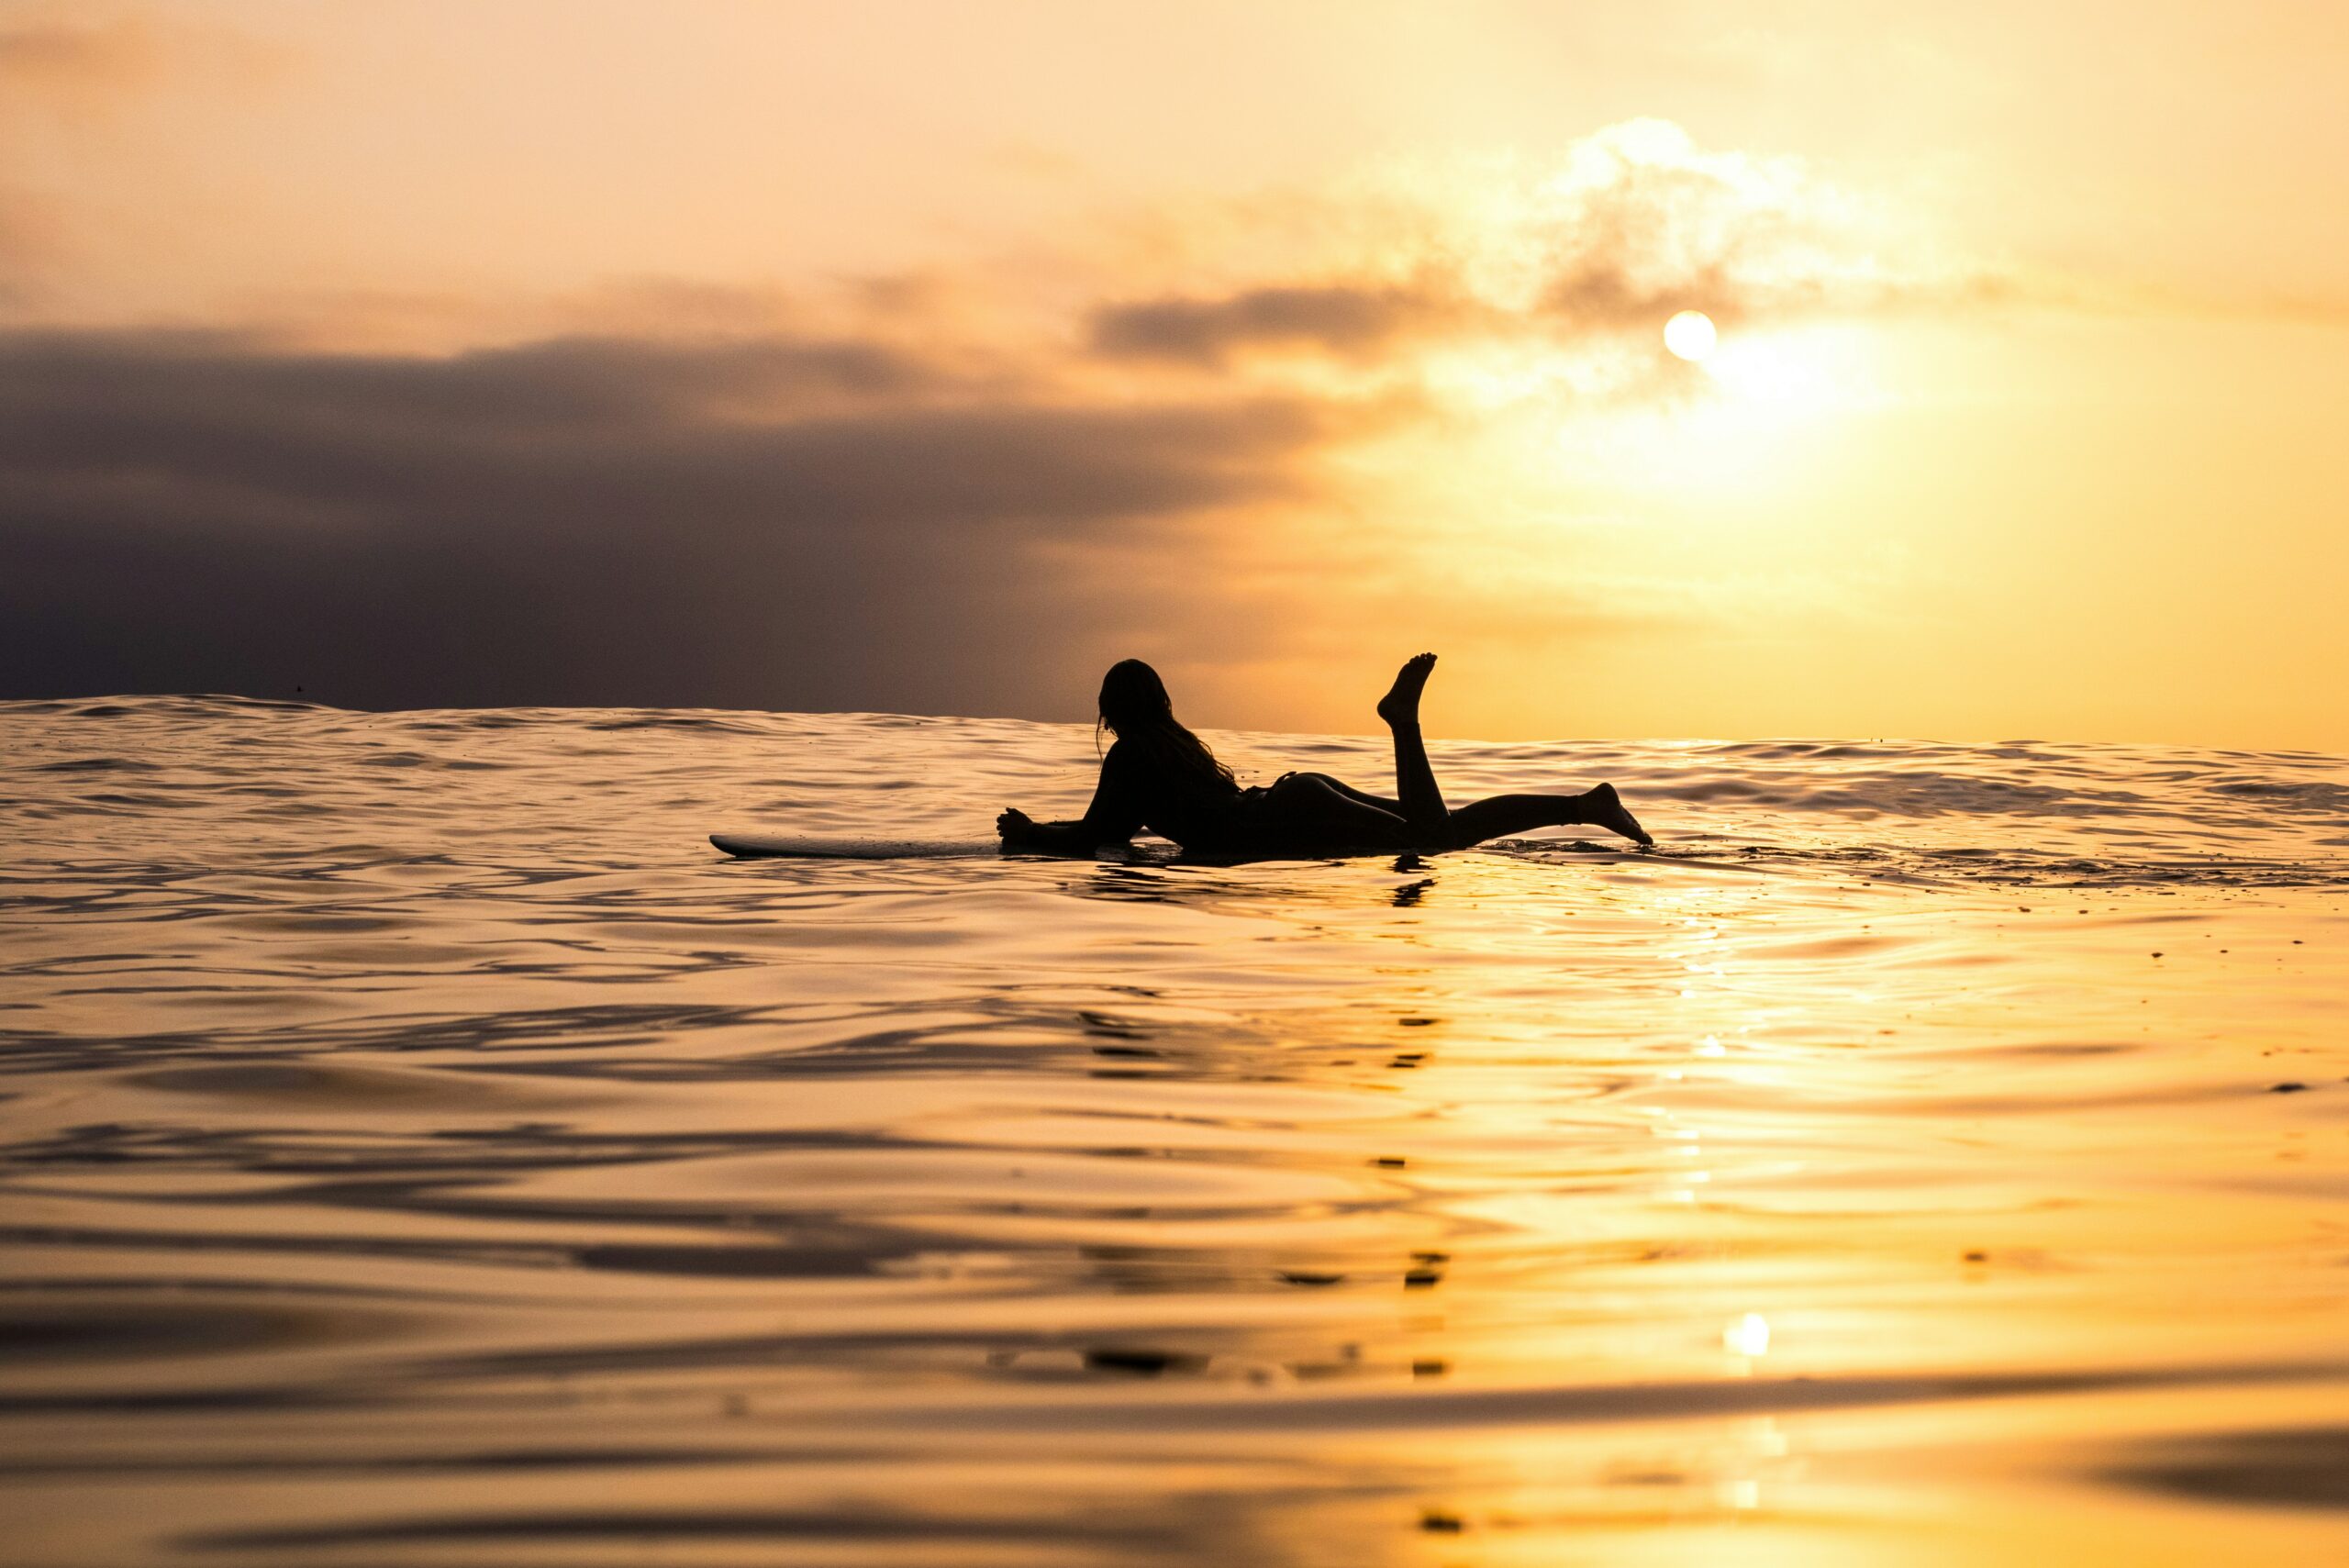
417 1146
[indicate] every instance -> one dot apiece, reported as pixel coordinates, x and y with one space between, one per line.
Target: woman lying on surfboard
1160 776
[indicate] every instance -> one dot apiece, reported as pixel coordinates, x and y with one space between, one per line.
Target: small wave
688 723
95 765
2315 794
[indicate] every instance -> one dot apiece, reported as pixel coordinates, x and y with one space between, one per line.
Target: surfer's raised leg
1415 782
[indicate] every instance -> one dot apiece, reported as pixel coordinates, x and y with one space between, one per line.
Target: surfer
1160 776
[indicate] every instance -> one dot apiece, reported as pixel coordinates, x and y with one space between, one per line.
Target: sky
928 357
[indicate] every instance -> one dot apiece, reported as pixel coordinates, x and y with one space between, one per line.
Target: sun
1690 335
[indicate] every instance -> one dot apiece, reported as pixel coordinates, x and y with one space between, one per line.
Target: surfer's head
1136 708
1133 698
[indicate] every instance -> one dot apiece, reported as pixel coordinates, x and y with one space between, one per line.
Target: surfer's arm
1112 818
1022 831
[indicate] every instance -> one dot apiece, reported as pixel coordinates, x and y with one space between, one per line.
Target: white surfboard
852 847
804 846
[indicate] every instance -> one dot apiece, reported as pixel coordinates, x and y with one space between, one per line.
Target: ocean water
417 1146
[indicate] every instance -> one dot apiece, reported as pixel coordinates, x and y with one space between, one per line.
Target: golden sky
929 355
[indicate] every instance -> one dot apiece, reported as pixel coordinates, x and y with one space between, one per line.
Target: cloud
916 497
79 86
779 523
49 70
70 56
65 56
1350 320
1632 224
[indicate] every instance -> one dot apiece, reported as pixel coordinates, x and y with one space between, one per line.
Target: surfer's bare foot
1400 706
1607 811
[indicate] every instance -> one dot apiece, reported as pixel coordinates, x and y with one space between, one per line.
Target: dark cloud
1591 294
783 523
1352 320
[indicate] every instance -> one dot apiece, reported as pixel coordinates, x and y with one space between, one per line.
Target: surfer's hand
1014 824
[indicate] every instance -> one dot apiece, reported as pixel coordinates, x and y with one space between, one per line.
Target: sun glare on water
1690 335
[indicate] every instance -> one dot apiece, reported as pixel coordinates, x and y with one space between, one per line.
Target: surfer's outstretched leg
1415 782
1503 815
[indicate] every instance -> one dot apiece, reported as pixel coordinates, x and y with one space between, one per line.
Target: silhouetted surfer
1160 776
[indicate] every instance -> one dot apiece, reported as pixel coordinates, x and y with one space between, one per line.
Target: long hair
1137 710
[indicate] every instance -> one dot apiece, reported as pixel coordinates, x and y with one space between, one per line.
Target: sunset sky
927 357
